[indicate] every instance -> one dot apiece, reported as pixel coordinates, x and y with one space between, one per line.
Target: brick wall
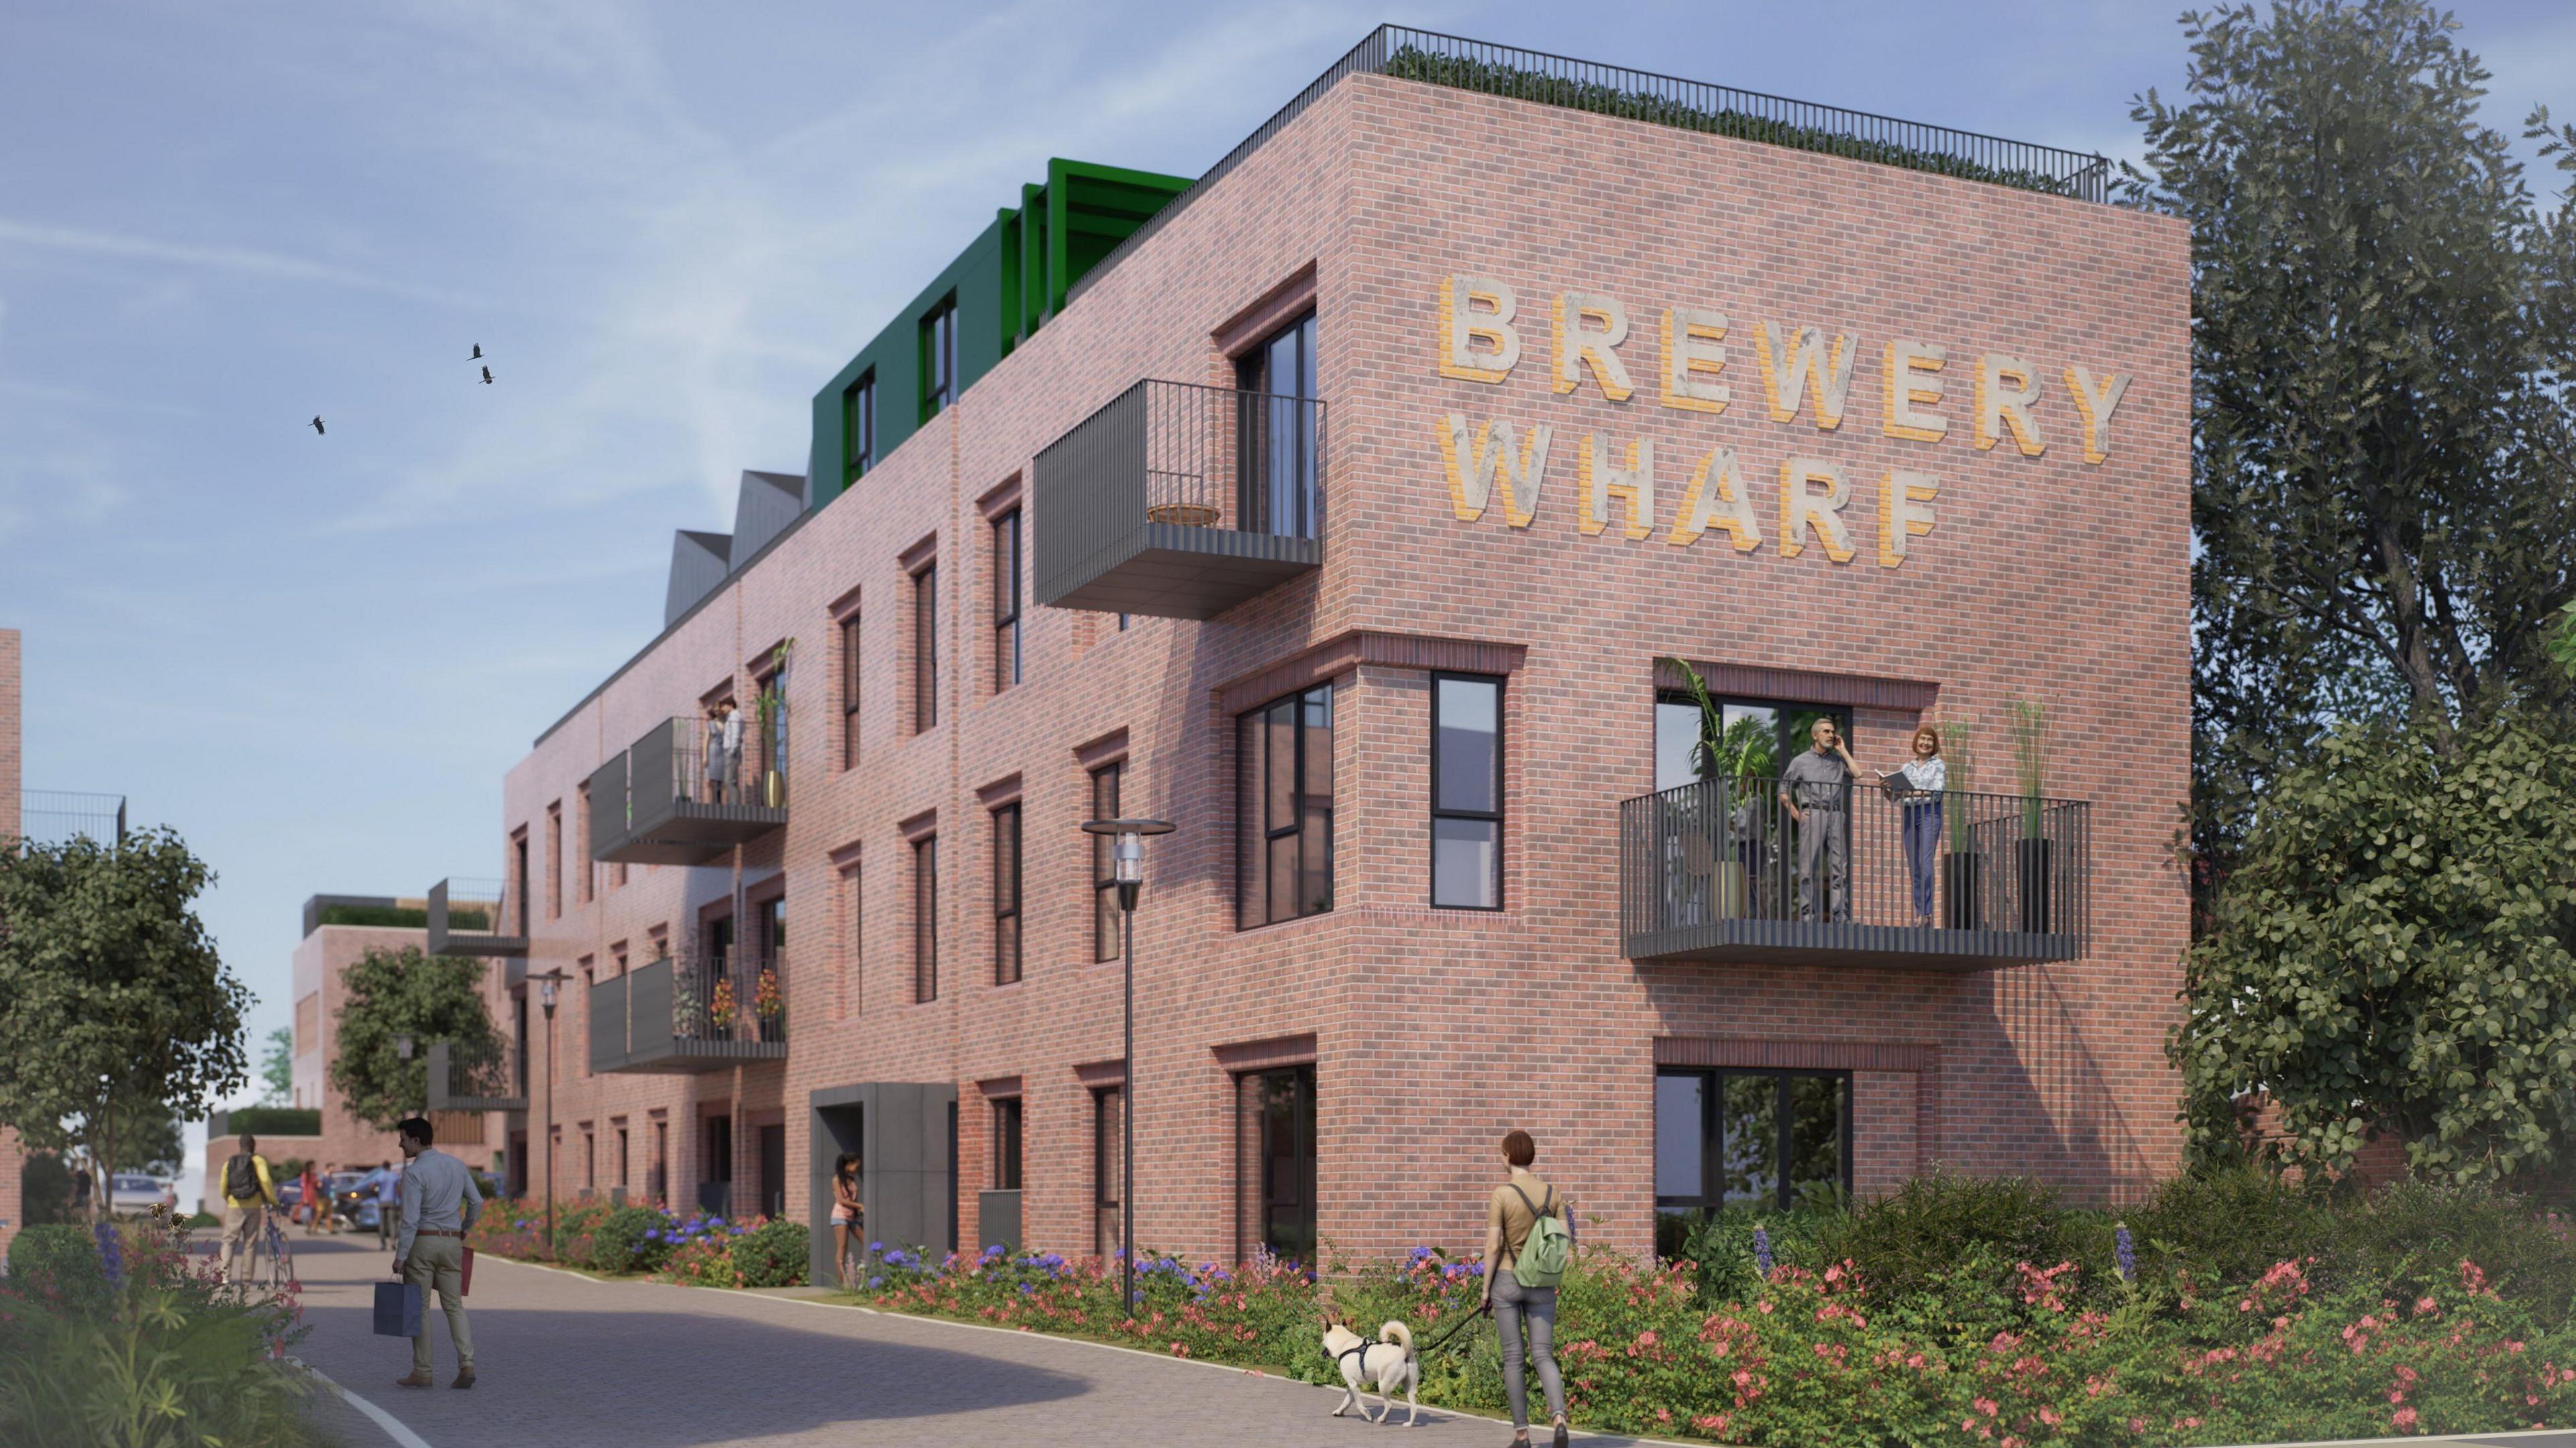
1431 1032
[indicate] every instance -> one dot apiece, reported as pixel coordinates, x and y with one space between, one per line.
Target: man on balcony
1816 790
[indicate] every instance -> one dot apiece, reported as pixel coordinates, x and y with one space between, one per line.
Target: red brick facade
1432 1031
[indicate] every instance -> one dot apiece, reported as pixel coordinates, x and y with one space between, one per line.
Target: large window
925 918
850 691
925 650
1282 1105
1108 1121
1284 794
1767 1139
1006 894
1466 792
1006 1144
1104 867
939 358
1280 470
1006 600
859 429
1759 735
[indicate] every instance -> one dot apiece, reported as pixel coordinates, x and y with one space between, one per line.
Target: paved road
568 1362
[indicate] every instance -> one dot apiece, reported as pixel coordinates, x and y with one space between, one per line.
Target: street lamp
402 1053
1127 857
547 983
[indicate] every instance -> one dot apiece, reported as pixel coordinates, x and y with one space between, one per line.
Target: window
1759 735
1282 1107
769 717
1767 1139
554 860
589 1159
858 429
925 918
850 978
658 1184
1108 1122
1006 894
1279 473
939 358
581 836
1006 600
1466 792
1006 1144
621 1157
850 692
925 650
1104 868
1284 794
588 970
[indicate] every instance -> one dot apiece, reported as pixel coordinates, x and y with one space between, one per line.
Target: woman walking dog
1521 1208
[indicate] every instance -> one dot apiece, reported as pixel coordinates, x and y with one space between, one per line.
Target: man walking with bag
248 1196
439 1205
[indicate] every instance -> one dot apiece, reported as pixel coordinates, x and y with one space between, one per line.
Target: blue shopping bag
397 1309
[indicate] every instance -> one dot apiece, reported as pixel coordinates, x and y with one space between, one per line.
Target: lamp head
402 1046
1127 852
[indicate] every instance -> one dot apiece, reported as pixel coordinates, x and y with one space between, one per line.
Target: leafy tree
2382 326
277 1067
113 1001
2563 648
2397 950
398 992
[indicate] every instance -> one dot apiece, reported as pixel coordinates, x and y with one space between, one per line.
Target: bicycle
281 1258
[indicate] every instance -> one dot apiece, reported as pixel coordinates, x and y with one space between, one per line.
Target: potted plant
2030 763
684 994
767 1003
720 1006
769 707
1963 869
1740 758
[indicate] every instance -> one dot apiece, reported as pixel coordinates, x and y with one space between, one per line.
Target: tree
2397 951
403 992
113 1001
277 1067
2382 327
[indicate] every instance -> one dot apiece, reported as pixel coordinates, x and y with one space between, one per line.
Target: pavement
568 1361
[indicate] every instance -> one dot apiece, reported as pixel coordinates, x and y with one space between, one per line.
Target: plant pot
2031 855
1734 891
773 787
1963 877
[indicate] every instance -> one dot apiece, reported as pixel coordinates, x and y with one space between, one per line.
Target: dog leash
1455 1328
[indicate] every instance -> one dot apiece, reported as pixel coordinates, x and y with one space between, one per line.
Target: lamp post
547 982
1127 858
402 1053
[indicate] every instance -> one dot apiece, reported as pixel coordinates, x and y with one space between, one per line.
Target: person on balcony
1925 777
724 750
1816 790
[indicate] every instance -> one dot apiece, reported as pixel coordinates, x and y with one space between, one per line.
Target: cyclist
248 1198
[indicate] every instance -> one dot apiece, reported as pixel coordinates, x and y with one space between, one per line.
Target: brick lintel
1344 652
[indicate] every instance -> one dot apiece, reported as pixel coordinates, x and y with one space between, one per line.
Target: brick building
1353 508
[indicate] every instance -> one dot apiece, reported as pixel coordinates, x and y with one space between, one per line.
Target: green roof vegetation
459 917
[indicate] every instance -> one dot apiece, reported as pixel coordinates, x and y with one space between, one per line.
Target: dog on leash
1388 1359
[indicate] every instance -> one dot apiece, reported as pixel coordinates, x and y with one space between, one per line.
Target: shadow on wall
2049 1078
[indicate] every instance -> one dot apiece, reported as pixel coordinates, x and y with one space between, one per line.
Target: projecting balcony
682 796
1721 870
475 1080
1180 501
698 1013
475 918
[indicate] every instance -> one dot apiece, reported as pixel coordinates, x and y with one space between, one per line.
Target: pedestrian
846 1231
1510 1215
308 1199
248 1195
388 1202
439 1205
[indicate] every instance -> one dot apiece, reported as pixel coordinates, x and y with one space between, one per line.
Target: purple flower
1762 1250
111 1254
2128 1254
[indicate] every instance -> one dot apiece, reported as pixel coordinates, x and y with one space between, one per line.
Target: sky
666 226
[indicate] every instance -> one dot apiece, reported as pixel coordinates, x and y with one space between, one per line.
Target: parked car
132 1192
352 1199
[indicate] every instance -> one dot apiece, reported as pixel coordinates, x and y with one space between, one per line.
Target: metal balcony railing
474 1079
60 816
700 1012
472 917
1723 870
690 789
1181 500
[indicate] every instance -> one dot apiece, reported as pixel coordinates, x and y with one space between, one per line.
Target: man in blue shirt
439 1204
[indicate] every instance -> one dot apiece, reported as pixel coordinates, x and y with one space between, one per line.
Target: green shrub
1721 1244
2227 1226
773 1254
628 1239
59 1259
2411 1235
171 1366
1928 1229
271 1121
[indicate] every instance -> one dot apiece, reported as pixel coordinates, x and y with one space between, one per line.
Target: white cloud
239 260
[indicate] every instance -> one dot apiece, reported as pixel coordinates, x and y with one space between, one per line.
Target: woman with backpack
1529 1236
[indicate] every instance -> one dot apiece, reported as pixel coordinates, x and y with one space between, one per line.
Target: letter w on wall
1477 464
1797 367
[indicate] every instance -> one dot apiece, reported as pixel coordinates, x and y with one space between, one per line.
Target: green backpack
1549 1247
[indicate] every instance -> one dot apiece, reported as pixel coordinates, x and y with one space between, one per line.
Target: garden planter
1963 877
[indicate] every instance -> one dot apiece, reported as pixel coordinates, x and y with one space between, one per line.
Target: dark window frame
859 428
939 387
1266 835
1493 816
1712 1192
925 647
925 919
1106 1141
1008 609
1295 1085
1105 932
1008 884
1259 505
1009 1142
1786 741
851 658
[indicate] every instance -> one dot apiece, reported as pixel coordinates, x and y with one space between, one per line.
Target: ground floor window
1006 1144
1280 1178
1108 1120
1749 1139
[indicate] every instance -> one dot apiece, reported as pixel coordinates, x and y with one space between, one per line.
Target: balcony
1711 872
675 798
475 918
1180 501
701 1012
60 816
475 1080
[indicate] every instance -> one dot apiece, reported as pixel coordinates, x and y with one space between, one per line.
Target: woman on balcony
1925 777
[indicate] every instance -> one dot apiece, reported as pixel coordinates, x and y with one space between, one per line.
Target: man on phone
1816 790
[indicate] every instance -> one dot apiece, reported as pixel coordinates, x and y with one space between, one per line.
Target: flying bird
317 425
478 353
487 374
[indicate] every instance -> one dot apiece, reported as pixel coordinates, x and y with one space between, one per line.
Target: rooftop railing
59 816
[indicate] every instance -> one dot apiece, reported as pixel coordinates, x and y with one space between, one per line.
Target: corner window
1466 792
1104 880
1006 1144
925 918
925 650
939 358
1763 1139
1284 808
1006 600
858 429
1006 894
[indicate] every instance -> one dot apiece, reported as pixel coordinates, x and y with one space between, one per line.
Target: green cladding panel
1008 282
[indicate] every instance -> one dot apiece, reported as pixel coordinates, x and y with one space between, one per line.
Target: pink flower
1712 1424
2404 1418
2426 1307
1766 1306
1986 1406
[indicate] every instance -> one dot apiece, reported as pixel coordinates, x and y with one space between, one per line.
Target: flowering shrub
698 1249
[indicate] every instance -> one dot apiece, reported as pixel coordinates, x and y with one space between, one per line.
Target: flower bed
697 1250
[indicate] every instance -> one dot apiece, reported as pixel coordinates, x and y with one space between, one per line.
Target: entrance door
715 1186
1287 1127
773 1171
